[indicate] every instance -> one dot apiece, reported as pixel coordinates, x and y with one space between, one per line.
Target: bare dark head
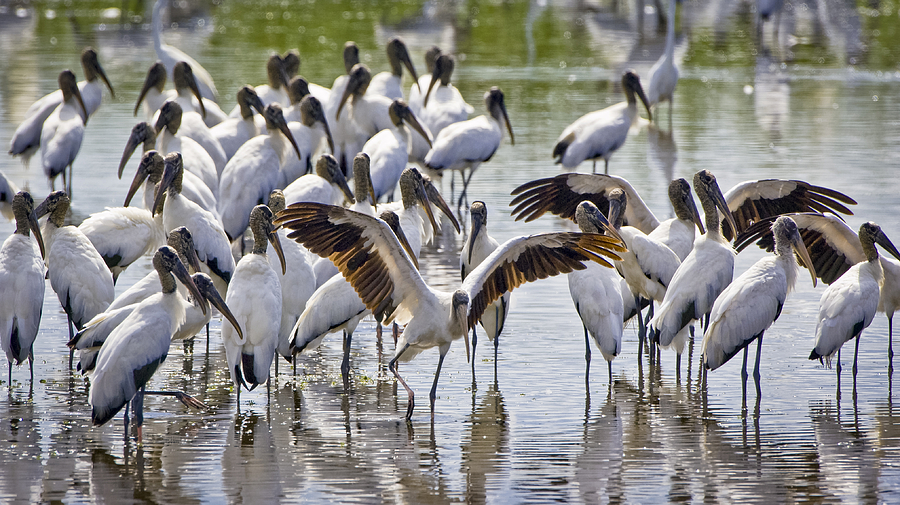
276 201
631 85
351 55
298 89
291 62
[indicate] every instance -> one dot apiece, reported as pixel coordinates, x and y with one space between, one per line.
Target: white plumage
442 106
388 83
170 55
664 73
388 150
327 185
63 132
170 139
234 132
122 235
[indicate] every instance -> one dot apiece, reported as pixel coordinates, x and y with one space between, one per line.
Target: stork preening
370 257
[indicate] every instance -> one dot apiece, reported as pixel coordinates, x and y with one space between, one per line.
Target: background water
820 102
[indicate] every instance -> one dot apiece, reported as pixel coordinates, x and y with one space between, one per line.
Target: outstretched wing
561 195
753 201
833 247
525 259
366 252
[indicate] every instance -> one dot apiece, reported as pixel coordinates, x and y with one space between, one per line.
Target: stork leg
609 368
69 187
9 376
207 338
186 399
856 355
392 366
744 383
594 170
677 367
756 375
345 363
125 418
642 330
433 395
587 359
474 344
71 336
890 343
137 405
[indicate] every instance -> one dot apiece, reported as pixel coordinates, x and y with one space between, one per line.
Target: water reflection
485 449
662 153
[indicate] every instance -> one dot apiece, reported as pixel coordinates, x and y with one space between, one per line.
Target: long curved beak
102 75
463 315
167 179
341 181
156 78
413 121
800 248
425 202
435 77
180 272
215 299
722 205
354 83
401 237
435 197
139 177
882 240
695 214
138 137
256 102
283 126
643 97
192 83
407 62
477 225
615 210
194 260
328 136
77 93
512 138
275 240
36 229
604 224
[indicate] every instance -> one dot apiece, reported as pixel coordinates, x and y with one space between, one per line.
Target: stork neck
260 242
156 19
711 213
870 251
22 226
396 67
280 144
167 280
670 32
58 215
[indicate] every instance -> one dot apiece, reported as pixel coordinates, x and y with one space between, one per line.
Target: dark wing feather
526 259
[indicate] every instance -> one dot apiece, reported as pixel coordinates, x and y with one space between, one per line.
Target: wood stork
210 239
197 159
447 106
664 73
335 307
298 281
834 248
153 93
753 301
368 112
597 295
298 89
327 185
416 98
478 247
122 235
22 274
701 277
388 83
342 129
276 91
63 132
678 232
182 241
151 169
647 266
234 132
253 172
169 56
254 297
291 62
468 144
8 192
308 133
78 274
27 137
139 345
848 306
597 135
389 149
194 118
369 256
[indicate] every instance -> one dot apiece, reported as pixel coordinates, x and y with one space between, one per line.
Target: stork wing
833 247
561 195
753 201
525 259
366 252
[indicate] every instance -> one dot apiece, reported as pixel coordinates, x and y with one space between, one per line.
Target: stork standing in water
753 301
254 297
370 257
664 73
597 135
170 55
388 150
22 275
63 132
468 144
478 247
388 83
139 345
848 306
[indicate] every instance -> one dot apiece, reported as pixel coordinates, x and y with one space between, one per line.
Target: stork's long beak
283 126
167 179
139 177
192 83
800 248
138 136
256 102
425 202
180 272
413 121
215 299
695 214
606 224
404 242
194 260
477 224
512 138
345 188
354 83
882 240
275 240
407 62
102 75
722 205
156 77
36 229
328 136
643 97
77 93
435 77
435 197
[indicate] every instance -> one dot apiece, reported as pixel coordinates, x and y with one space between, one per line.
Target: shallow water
821 103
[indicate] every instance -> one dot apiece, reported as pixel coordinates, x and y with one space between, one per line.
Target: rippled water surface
818 101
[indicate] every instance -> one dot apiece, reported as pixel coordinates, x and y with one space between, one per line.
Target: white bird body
138 292
193 127
446 106
233 133
196 159
61 137
123 234
249 177
333 307
483 245
154 100
677 234
254 296
747 307
847 307
268 95
369 115
598 134
648 266
214 114
703 275
78 274
298 283
170 55
212 244
664 73
192 187
596 292
388 150
465 143
22 296
308 142
312 188
889 300
386 84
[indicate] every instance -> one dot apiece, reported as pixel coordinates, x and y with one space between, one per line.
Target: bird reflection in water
662 153
485 449
598 469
